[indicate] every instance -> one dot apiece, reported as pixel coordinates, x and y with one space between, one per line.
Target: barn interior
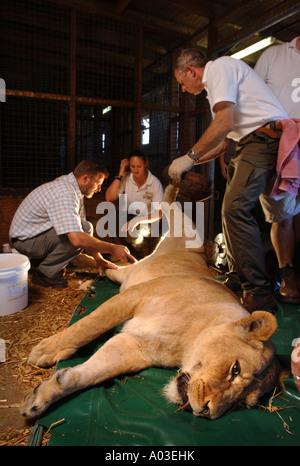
94 79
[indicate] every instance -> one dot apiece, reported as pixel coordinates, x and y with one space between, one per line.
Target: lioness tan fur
177 315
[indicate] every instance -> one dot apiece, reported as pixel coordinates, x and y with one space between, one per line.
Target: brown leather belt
270 132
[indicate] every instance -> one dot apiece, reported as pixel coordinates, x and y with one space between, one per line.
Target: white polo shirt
151 191
279 67
232 80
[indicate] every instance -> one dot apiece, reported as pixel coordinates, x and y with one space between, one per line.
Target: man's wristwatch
192 155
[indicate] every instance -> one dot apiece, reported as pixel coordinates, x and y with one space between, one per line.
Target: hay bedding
48 311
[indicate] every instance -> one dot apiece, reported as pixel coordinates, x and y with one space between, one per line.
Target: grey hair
190 57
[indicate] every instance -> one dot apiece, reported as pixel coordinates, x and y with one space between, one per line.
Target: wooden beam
121 5
37 95
220 21
270 18
203 8
91 100
273 16
99 9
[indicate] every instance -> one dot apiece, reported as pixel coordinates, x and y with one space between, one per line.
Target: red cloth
288 161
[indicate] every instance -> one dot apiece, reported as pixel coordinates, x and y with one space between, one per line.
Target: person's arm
95 248
211 144
112 192
155 215
134 222
223 165
213 141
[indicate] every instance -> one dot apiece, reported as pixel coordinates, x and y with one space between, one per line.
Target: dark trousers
247 177
52 251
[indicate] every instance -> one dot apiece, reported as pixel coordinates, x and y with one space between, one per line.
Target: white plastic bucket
13 283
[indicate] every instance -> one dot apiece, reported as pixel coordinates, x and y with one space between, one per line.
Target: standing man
246 111
50 225
279 67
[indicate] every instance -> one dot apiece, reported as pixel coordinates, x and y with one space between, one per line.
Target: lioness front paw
49 352
30 406
37 400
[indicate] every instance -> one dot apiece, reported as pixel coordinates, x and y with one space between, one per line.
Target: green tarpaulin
130 410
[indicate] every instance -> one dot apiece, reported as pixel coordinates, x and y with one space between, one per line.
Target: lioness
176 314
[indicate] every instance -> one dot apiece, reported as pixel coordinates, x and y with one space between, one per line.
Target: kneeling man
50 225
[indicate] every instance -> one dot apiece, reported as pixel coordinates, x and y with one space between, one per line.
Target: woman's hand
123 166
131 225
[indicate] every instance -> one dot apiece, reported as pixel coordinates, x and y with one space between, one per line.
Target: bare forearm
152 217
95 247
213 153
214 140
112 191
89 243
212 143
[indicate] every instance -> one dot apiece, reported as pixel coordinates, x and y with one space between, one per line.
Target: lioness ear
260 325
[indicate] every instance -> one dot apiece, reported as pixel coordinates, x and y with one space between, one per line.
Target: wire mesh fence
82 86
34 141
105 58
35 46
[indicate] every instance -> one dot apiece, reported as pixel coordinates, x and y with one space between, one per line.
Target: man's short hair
190 57
90 167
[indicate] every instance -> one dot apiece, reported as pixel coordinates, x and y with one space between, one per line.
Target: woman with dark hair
142 190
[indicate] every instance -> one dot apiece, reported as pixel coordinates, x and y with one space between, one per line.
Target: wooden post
184 143
137 133
211 41
72 103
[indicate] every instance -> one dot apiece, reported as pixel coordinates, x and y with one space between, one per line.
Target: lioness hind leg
120 354
62 345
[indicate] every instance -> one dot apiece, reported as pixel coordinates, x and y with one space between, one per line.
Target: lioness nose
203 412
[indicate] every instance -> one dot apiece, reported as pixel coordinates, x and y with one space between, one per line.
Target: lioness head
227 366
